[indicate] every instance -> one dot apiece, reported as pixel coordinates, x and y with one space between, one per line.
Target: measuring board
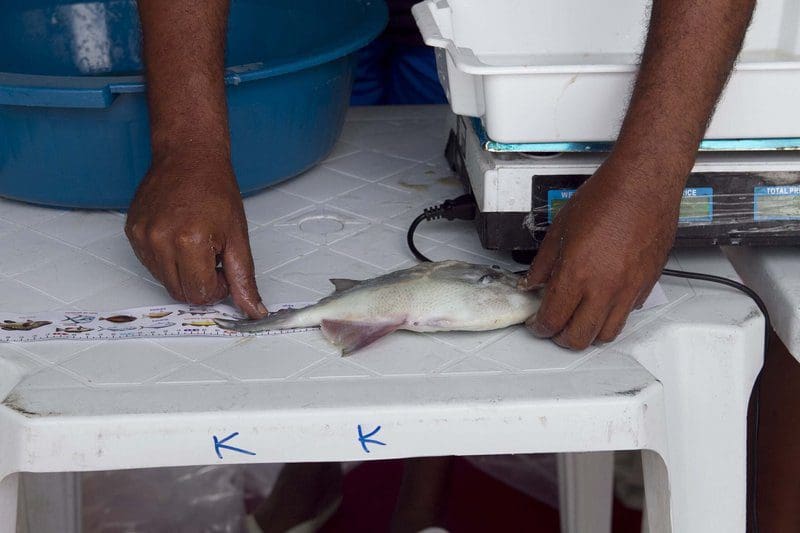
177 320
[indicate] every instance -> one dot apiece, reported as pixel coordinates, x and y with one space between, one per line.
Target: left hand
604 252
187 216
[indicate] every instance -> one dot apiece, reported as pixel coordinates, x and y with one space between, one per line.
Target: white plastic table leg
52 502
645 526
585 491
9 488
698 482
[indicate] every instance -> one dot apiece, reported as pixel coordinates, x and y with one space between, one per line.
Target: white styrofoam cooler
562 70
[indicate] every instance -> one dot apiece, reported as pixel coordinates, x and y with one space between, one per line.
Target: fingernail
533 327
525 285
558 342
262 308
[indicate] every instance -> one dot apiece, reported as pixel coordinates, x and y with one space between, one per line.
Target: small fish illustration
158 314
74 329
158 325
119 319
200 323
10 325
78 319
197 311
120 327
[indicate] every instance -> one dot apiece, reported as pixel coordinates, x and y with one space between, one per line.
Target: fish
119 327
429 297
158 314
204 323
198 311
78 319
119 319
158 325
10 325
74 329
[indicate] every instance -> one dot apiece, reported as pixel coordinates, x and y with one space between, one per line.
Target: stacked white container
562 70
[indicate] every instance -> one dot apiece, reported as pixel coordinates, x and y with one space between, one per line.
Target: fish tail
284 319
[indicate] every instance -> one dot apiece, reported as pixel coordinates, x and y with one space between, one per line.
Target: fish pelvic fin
341 284
351 336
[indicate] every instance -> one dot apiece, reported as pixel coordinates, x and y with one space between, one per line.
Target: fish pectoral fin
351 336
341 284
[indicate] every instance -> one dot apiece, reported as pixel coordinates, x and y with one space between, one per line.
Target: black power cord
463 208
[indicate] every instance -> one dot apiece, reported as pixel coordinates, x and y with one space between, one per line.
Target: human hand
604 253
186 218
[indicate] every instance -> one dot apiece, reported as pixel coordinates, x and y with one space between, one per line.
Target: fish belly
474 312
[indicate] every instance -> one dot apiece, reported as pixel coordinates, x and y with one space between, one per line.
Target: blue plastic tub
73 115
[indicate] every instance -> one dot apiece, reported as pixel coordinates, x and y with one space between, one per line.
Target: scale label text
697 205
776 203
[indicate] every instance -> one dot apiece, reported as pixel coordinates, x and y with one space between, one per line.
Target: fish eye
495 267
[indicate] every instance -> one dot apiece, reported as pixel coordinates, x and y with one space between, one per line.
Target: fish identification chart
142 322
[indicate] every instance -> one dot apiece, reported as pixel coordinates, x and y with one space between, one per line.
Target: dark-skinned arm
606 248
187 215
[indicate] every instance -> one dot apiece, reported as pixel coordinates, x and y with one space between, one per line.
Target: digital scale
740 192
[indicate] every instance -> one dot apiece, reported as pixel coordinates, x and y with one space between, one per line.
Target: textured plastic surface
561 71
177 402
73 116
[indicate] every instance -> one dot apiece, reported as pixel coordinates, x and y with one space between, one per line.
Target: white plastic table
676 383
774 273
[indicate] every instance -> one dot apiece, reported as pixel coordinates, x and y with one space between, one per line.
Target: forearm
607 246
184 44
689 53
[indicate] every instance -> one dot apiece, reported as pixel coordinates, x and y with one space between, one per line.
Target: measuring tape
175 320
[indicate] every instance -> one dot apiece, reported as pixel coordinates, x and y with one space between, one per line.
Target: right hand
604 251
186 218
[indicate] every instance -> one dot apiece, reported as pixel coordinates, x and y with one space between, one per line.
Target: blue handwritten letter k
220 445
365 439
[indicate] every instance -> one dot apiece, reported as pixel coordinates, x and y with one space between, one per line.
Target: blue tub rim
33 90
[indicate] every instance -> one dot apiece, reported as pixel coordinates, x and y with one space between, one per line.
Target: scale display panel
697 205
777 203
716 208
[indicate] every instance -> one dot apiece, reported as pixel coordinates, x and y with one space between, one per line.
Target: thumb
237 264
541 267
